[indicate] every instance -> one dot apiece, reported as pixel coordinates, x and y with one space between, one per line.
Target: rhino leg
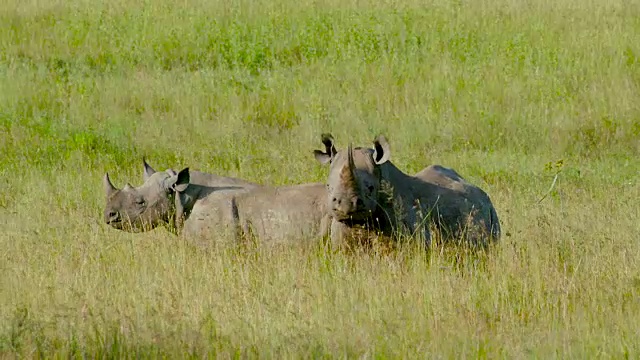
422 222
495 225
241 229
250 236
339 234
477 229
414 223
426 234
325 228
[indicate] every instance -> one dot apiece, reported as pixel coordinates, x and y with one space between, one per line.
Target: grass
498 90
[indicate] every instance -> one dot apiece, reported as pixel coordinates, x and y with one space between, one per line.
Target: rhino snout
347 206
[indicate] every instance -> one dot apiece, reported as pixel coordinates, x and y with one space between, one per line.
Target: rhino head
354 179
137 209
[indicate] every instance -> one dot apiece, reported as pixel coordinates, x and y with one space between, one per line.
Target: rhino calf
365 189
436 195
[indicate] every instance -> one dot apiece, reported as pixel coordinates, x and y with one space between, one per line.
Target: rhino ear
148 170
322 157
382 151
109 189
178 182
329 152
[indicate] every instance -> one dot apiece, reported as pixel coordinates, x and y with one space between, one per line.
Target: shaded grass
495 90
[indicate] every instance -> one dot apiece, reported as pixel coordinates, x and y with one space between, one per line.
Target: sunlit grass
499 90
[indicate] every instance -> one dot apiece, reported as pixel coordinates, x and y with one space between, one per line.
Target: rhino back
448 179
444 177
204 194
206 179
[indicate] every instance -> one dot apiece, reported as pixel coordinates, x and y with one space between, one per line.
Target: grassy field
509 93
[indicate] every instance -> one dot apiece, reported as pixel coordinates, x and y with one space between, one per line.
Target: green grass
496 90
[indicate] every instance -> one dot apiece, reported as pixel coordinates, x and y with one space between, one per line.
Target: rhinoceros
233 208
166 198
364 189
436 195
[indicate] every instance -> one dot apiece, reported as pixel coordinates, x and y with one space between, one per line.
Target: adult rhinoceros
435 195
213 207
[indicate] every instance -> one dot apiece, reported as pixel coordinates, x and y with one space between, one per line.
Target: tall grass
509 93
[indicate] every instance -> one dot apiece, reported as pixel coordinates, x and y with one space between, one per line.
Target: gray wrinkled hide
365 189
274 215
459 209
165 198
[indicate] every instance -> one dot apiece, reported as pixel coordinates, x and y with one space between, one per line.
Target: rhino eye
140 202
371 188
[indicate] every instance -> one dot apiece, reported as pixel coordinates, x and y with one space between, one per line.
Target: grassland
499 90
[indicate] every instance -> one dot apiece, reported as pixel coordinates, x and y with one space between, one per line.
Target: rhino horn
109 189
352 163
348 171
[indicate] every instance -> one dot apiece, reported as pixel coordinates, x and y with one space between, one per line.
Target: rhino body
274 215
458 208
